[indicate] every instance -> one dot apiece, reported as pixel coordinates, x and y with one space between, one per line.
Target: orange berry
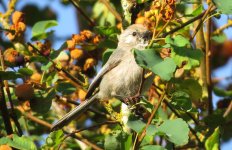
17 17
5 147
88 34
71 44
10 55
77 38
76 53
96 39
90 62
36 77
21 27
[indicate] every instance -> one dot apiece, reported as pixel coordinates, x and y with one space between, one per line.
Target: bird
121 77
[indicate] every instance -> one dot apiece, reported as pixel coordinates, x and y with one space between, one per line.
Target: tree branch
82 12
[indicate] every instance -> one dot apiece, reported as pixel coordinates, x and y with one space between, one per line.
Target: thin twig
48 125
87 128
208 65
210 9
228 110
82 12
59 68
219 30
142 135
183 25
12 112
112 10
4 111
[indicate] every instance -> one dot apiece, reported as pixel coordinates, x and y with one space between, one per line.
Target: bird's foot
132 100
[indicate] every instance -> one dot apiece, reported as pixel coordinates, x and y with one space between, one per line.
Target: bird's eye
134 33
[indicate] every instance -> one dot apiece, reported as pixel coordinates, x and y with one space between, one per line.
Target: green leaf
151 130
219 38
22 143
65 88
225 6
25 71
149 59
181 100
165 69
176 131
128 142
54 138
106 31
39 29
42 99
186 56
198 11
212 143
117 140
103 15
222 93
192 87
9 75
178 40
153 147
106 55
135 124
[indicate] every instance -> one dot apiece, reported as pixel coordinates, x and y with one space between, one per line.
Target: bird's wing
112 62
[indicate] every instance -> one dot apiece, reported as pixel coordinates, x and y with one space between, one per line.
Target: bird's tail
74 113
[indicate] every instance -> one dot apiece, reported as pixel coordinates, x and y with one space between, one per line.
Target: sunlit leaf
186 57
149 59
176 131
136 124
212 143
225 6
39 29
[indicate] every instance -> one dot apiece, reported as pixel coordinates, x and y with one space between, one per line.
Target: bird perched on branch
121 77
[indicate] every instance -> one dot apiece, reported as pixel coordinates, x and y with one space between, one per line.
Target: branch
82 12
208 64
4 111
142 135
12 112
87 128
210 9
112 10
48 125
219 30
59 68
185 24
228 110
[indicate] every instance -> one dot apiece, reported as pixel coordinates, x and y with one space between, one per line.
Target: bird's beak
147 35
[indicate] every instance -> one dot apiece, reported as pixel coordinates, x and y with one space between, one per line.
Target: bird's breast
122 81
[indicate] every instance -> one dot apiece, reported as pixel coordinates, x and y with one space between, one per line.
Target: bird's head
135 36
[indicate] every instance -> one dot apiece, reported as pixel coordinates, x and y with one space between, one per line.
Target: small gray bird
120 77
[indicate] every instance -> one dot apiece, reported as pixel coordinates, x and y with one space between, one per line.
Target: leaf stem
142 135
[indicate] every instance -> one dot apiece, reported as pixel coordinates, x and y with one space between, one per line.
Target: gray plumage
120 77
